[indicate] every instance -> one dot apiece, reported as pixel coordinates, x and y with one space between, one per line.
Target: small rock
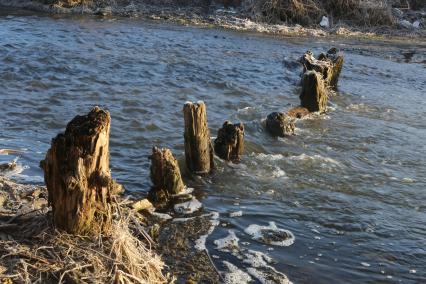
143 204
325 23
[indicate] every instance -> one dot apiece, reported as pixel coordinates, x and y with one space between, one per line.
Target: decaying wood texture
314 94
329 65
77 175
280 124
229 144
198 147
165 172
298 112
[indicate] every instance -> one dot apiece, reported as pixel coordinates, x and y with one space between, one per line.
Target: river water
349 185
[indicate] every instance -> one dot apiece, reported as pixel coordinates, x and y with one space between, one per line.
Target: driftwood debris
229 144
77 175
329 65
280 124
198 147
314 94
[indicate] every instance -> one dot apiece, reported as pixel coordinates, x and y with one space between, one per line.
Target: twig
70 270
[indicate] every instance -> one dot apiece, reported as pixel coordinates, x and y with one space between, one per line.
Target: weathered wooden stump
314 94
280 124
329 65
336 59
229 144
165 172
165 176
77 175
298 112
198 147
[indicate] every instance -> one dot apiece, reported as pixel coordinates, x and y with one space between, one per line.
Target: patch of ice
271 235
365 264
228 243
188 207
235 275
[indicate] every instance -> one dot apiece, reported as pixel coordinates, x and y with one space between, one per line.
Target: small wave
361 107
316 158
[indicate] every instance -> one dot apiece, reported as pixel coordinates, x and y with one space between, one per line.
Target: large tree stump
77 175
329 65
314 94
165 172
198 148
229 144
280 124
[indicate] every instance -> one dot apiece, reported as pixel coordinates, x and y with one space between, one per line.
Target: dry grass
32 251
310 12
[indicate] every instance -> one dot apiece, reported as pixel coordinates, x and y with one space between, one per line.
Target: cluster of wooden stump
76 167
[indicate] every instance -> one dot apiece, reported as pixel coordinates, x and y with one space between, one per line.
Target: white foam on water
365 264
257 259
263 277
188 207
269 157
258 233
200 243
228 243
236 214
246 110
235 275
277 172
325 161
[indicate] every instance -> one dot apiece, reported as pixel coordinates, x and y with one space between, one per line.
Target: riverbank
33 250
240 18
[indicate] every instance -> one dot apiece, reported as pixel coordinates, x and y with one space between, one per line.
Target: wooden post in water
229 144
198 148
314 93
165 172
329 65
336 59
280 124
77 175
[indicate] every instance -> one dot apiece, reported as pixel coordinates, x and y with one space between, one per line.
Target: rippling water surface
350 185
